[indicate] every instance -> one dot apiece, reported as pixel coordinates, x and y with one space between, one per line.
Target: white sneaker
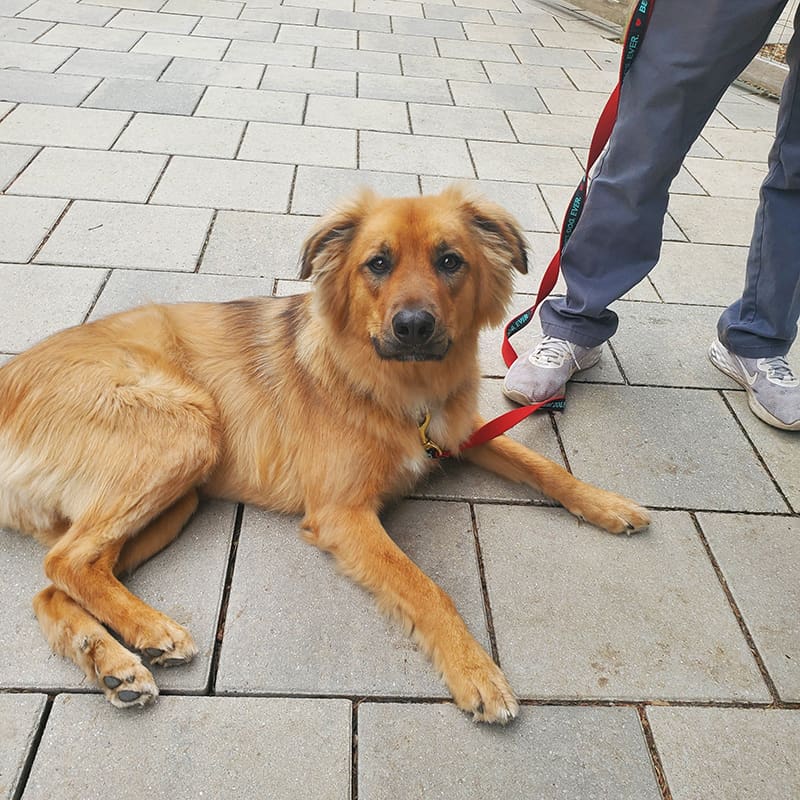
773 390
542 373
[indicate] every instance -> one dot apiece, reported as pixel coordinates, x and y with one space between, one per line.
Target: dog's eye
379 265
450 262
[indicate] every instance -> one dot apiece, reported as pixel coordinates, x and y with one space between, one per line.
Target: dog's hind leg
75 634
367 554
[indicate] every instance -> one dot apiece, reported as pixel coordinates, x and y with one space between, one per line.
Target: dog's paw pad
173 646
136 688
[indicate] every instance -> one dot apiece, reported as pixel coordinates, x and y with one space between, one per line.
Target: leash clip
432 450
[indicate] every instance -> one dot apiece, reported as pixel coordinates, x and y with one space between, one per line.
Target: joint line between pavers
751 644
206 240
757 453
159 178
97 295
655 758
487 605
226 595
50 232
292 184
561 446
22 169
25 773
354 750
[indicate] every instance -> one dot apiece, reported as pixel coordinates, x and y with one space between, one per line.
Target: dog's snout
413 326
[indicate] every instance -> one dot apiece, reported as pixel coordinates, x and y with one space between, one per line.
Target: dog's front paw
479 687
169 645
126 682
609 511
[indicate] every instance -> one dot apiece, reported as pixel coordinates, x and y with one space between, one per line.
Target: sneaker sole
752 402
556 403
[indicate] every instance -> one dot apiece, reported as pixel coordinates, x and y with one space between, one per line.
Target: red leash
633 39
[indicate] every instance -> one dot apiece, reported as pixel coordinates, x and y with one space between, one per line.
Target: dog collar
432 450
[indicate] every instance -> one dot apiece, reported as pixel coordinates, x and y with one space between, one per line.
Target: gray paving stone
399 152
65 11
299 144
444 29
208 8
316 189
128 288
24 86
218 183
741 145
683 448
246 30
252 104
305 648
13 158
105 64
394 43
479 51
727 178
24 222
280 14
357 60
290 55
239 753
558 589
394 7
492 5
557 753
21 716
553 129
760 559
192 136
507 97
169 44
5 108
570 101
354 112
317 37
404 88
285 287
153 96
128 235
583 41
150 21
714 220
185 581
525 162
447 68
91 37
749 115
22 30
504 34
38 57
307 79
460 480
11 7
555 57
457 13
479 123
62 127
36 301
521 199
258 245
137 5
778 448
528 75
683 272
666 345
332 18
90 175
728 753
593 80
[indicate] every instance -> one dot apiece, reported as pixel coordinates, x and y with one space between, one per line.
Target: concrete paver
20 717
558 753
181 151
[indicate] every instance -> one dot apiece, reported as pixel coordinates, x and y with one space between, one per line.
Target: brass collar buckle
432 450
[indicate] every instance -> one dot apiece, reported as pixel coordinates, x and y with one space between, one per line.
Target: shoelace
551 352
778 371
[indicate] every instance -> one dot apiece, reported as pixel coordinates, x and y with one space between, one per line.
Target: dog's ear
497 229
328 242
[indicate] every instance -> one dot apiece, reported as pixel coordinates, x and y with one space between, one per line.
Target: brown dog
109 430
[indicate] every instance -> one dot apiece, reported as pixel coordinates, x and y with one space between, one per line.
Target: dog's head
414 274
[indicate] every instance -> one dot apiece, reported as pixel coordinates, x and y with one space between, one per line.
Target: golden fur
109 430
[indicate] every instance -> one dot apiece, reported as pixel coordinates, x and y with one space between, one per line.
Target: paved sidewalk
179 149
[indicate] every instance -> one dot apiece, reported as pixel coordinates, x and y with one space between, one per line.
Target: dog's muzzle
413 337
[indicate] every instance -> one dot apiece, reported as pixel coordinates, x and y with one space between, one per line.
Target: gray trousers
692 52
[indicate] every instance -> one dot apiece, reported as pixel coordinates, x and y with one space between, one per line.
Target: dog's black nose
413 326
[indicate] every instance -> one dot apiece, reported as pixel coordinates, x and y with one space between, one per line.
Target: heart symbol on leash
638 23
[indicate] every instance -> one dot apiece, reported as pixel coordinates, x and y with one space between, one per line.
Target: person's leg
691 53
763 322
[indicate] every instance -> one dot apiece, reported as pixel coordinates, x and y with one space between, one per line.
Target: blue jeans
690 55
